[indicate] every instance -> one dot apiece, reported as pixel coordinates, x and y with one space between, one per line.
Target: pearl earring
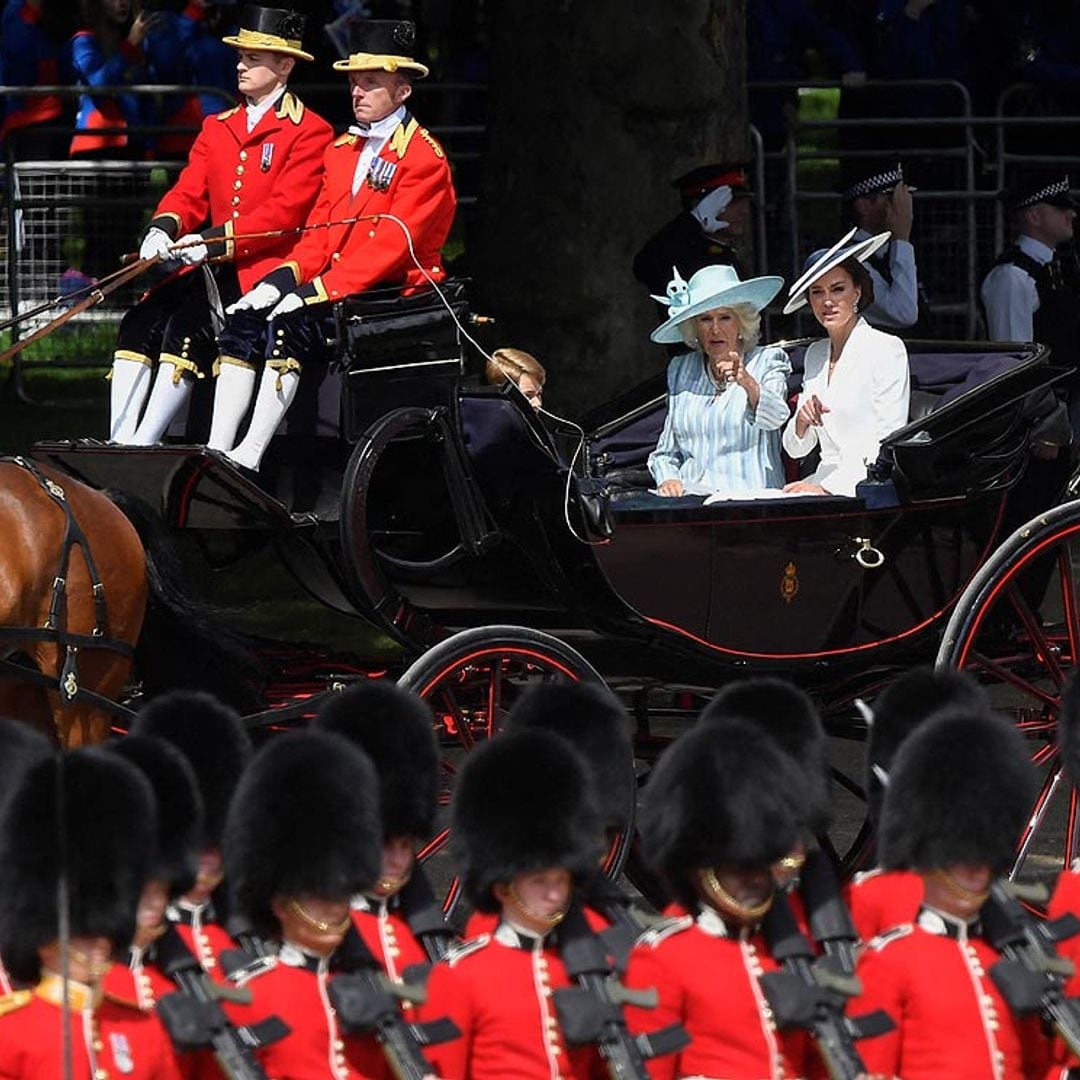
855 307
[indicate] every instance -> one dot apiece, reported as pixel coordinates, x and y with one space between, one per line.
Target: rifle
1031 975
194 1018
810 993
628 921
425 916
369 1002
830 922
592 1011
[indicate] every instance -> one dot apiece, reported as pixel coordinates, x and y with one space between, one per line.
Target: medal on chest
381 173
267 156
121 1052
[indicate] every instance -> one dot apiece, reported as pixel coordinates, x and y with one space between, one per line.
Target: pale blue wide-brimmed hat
817 266
711 287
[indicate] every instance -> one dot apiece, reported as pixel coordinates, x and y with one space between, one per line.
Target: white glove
289 302
709 209
191 256
156 242
262 296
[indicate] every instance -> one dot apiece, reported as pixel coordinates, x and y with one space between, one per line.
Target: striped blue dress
716 442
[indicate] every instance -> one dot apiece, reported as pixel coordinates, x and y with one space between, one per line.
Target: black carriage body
452 505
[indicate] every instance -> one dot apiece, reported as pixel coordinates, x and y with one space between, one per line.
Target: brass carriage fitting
866 555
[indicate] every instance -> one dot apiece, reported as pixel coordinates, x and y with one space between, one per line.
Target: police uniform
724 794
323 840
252 169
523 802
933 976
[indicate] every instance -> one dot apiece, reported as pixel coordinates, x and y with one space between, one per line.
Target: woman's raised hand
810 414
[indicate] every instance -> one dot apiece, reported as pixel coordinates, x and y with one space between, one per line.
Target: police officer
385 164
252 169
711 229
85 819
1032 292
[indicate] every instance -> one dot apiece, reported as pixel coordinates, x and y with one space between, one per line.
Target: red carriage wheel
1016 629
472 681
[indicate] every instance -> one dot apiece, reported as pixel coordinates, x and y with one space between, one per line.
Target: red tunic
343 259
1066 899
934 981
244 182
485 922
498 990
708 982
136 984
881 899
388 936
293 986
109 1040
202 935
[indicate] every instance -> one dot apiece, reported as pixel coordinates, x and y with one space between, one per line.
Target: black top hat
594 722
523 802
381 45
304 822
396 731
960 790
271 29
705 178
107 831
1040 186
863 178
787 715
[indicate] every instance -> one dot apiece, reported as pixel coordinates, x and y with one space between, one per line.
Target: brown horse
34 552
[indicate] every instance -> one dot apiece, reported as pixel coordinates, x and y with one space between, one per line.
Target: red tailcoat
881 899
410 178
934 981
498 990
111 1039
243 182
293 987
708 982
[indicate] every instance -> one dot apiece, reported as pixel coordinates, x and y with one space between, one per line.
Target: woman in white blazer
856 386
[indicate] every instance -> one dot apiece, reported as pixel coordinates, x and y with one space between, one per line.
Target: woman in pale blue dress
727 397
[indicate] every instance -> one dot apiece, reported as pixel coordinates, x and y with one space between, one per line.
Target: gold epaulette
228 112
346 140
402 136
10 1003
432 142
290 107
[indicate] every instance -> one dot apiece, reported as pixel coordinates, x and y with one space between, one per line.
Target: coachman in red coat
387 164
254 168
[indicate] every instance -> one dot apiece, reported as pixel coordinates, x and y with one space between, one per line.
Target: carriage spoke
1044 651
1068 602
1006 675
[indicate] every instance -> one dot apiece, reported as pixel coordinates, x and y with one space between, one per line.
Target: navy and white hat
817 266
1040 187
871 179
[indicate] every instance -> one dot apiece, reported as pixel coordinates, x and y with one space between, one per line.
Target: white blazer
868 397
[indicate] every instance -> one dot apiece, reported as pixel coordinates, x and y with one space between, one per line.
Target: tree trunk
596 105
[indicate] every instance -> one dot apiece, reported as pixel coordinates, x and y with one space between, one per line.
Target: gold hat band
380 62
256 39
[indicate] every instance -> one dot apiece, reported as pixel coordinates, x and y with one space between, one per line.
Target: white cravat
256 112
375 135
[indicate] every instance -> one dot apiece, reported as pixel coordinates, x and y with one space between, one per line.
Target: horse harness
55 628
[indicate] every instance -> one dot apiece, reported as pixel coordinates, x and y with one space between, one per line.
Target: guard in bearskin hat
880 899
141 982
526 831
385 164
78 835
303 837
594 722
722 805
254 168
213 739
21 748
958 795
399 919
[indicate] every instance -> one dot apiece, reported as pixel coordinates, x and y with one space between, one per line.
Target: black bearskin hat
523 802
396 731
593 720
21 748
1068 729
720 796
305 821
900 708
787 714
213 739
960 789
107 829
179 808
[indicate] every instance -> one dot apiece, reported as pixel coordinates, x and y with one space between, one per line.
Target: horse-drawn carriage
449 534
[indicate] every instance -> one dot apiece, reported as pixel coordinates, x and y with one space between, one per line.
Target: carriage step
189 486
